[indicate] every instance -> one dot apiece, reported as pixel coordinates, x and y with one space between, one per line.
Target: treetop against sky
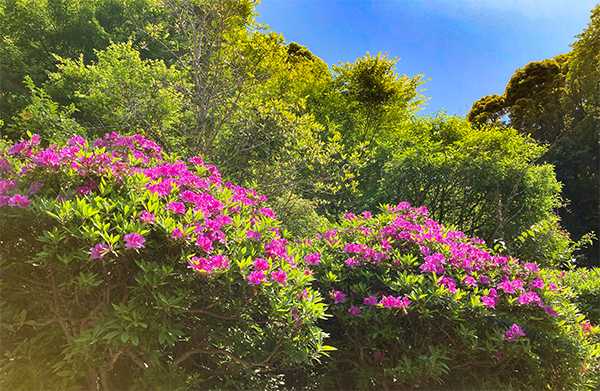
469 48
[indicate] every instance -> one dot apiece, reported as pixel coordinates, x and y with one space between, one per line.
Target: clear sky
468 48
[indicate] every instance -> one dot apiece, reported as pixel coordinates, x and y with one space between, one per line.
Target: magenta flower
99 251
261 264
267 213
509 335
176 234
19 200
354 310
176 207
506 287
537 283
204 243
256 277
529 297
448 283
371 301
550 310
255 235
280 276
338 297
391 301
219 262
489 301
35 187
147 217
200 264
134 240
532 267
352 262
469 281
483 279
313 259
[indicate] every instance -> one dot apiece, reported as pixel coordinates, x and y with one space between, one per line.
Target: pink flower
256 277
448 283
469 281
377 356
337 296
280 276
371 301
550 310
267 212
352 262
134 240
204 243
489 301
176 234
35 187
530 297
587 327
537 283
483 279
261 264
509 335
19 200
99 251
177 207
354 310
255 235
391 301
219 262
147 217
313 259
506 286
532 267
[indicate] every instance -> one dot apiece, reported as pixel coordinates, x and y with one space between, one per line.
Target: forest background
319 141
308 136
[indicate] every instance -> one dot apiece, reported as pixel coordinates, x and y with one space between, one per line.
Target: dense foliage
147 271
420 305
556 101
128 261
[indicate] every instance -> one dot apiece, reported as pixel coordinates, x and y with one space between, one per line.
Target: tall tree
557 102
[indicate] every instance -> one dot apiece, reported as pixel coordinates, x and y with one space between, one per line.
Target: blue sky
468 48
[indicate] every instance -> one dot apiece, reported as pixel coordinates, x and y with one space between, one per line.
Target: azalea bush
416 304
122 267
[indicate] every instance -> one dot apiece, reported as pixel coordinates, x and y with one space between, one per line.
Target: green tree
32 31
556 102
483 181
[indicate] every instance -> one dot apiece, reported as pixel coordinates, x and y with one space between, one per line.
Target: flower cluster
197 207
510 335
447 256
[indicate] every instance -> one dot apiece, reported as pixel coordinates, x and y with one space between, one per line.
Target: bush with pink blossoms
125 268
426 307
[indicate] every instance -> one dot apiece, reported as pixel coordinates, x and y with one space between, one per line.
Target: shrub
125 268
419 305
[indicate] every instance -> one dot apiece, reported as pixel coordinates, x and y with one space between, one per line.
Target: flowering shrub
125 268
420 305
